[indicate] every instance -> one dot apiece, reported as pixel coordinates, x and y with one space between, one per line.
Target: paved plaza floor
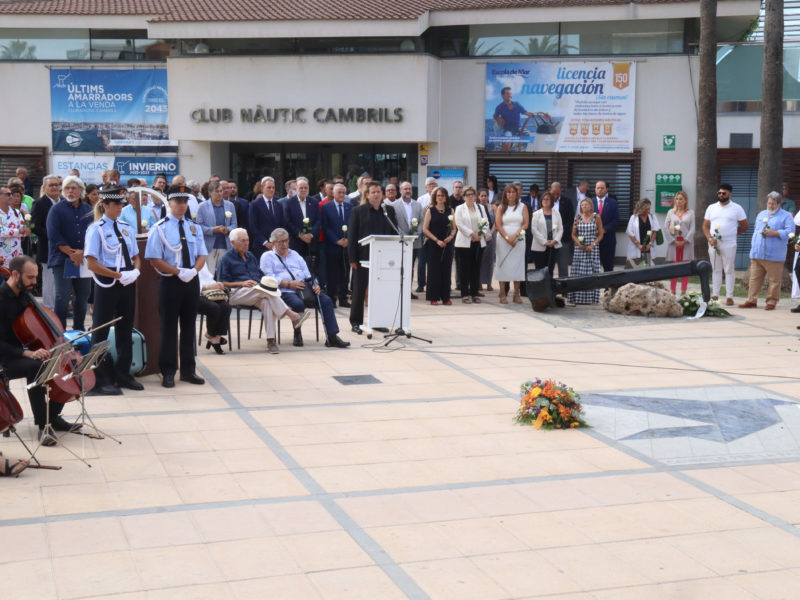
366 473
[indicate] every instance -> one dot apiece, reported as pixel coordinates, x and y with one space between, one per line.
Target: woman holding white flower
472 223
680 236
12 228
587 231
642 229
216 217
768 251
546 230
440 229
511 221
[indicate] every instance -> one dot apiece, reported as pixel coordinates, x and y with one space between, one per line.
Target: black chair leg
238 329
200 332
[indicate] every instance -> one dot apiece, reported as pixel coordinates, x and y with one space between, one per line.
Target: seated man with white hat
238 270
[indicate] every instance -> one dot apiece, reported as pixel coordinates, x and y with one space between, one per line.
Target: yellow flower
574 424
534 393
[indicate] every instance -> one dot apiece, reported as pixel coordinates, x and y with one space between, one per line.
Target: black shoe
47 437
382 329
357 329
192 378
796 309
336 342
223 341
130 383
217 347
298 338
414 297
168 381
344 303
420 289
105 390
59 423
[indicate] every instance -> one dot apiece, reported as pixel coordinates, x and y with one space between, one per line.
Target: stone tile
253 558
176 566
325 550
86 536
160 529
106 573
456 578
296 587
364 583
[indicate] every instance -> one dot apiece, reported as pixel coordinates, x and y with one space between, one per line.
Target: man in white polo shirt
723 221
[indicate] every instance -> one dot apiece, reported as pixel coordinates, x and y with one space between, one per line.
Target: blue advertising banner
109 110
91 167
560 106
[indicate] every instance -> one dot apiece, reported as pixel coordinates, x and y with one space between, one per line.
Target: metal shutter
618 174
527 173
744 179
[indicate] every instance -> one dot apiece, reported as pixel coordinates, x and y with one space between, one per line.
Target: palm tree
706 121
476 47
770 171
542 45
17 50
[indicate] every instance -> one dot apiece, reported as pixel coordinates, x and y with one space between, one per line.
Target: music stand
47 371
90 362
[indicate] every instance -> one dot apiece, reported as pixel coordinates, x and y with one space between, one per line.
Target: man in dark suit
607 207
564 207
264 216
372 218
531 200
321 194
302 221
334 217
577 193
51 186
230 191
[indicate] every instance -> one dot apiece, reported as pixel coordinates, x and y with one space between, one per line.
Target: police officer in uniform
176 250
112 256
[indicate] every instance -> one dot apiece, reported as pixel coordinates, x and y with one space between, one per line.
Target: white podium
385 254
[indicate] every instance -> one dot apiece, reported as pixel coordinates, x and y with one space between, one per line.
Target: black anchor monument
542 287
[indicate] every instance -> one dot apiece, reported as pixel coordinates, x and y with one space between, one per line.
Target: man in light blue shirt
290 269
768 251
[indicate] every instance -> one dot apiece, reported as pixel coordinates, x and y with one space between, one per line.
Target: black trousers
218 315
360 281
608 248
440 267
468 266
544 258
110 303
28 368
336 273
177 307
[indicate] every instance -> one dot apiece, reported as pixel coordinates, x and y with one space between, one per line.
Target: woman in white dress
511 221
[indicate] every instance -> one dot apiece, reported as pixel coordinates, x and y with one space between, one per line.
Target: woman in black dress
439 228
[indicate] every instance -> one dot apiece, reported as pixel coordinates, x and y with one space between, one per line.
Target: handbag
215 295
659 238
307 295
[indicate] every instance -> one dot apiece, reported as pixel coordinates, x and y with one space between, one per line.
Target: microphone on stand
385 214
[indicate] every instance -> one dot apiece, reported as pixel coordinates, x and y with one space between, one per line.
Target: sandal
466 300
517 299
13 469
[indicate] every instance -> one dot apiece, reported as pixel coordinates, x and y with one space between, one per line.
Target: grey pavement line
719 494
379 556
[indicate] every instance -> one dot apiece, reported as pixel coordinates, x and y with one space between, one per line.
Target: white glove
128 277
186 275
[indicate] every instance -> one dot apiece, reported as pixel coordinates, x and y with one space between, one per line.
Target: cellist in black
18 361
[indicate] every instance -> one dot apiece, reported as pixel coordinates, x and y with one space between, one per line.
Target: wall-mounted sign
560 106
446 176
109 110
91 167
667 185
260 114
669 142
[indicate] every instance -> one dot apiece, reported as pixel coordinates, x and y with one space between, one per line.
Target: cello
10 410
39 327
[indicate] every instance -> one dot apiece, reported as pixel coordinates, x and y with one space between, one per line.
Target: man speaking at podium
372 218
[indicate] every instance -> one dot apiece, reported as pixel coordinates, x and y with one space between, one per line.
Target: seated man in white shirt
291 271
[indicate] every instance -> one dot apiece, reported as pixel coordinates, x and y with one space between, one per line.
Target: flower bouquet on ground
550 405
692 301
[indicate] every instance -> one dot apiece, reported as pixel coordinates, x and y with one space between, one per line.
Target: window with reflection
647 36
44 44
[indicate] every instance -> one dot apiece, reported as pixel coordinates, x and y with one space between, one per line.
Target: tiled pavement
275 480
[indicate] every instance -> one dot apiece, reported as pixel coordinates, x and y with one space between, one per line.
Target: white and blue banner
109 110
91 166
560 106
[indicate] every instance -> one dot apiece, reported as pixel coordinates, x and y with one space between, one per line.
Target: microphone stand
390 337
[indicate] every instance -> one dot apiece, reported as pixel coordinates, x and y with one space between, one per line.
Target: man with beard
18 361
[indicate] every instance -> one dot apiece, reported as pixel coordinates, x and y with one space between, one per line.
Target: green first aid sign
669 142
667 185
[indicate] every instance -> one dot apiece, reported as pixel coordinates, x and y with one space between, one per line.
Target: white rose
27 216
449 217
306 221
649 233
228 214
144 223
765 221
677 227
580 239
716 228
344 228
414 222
